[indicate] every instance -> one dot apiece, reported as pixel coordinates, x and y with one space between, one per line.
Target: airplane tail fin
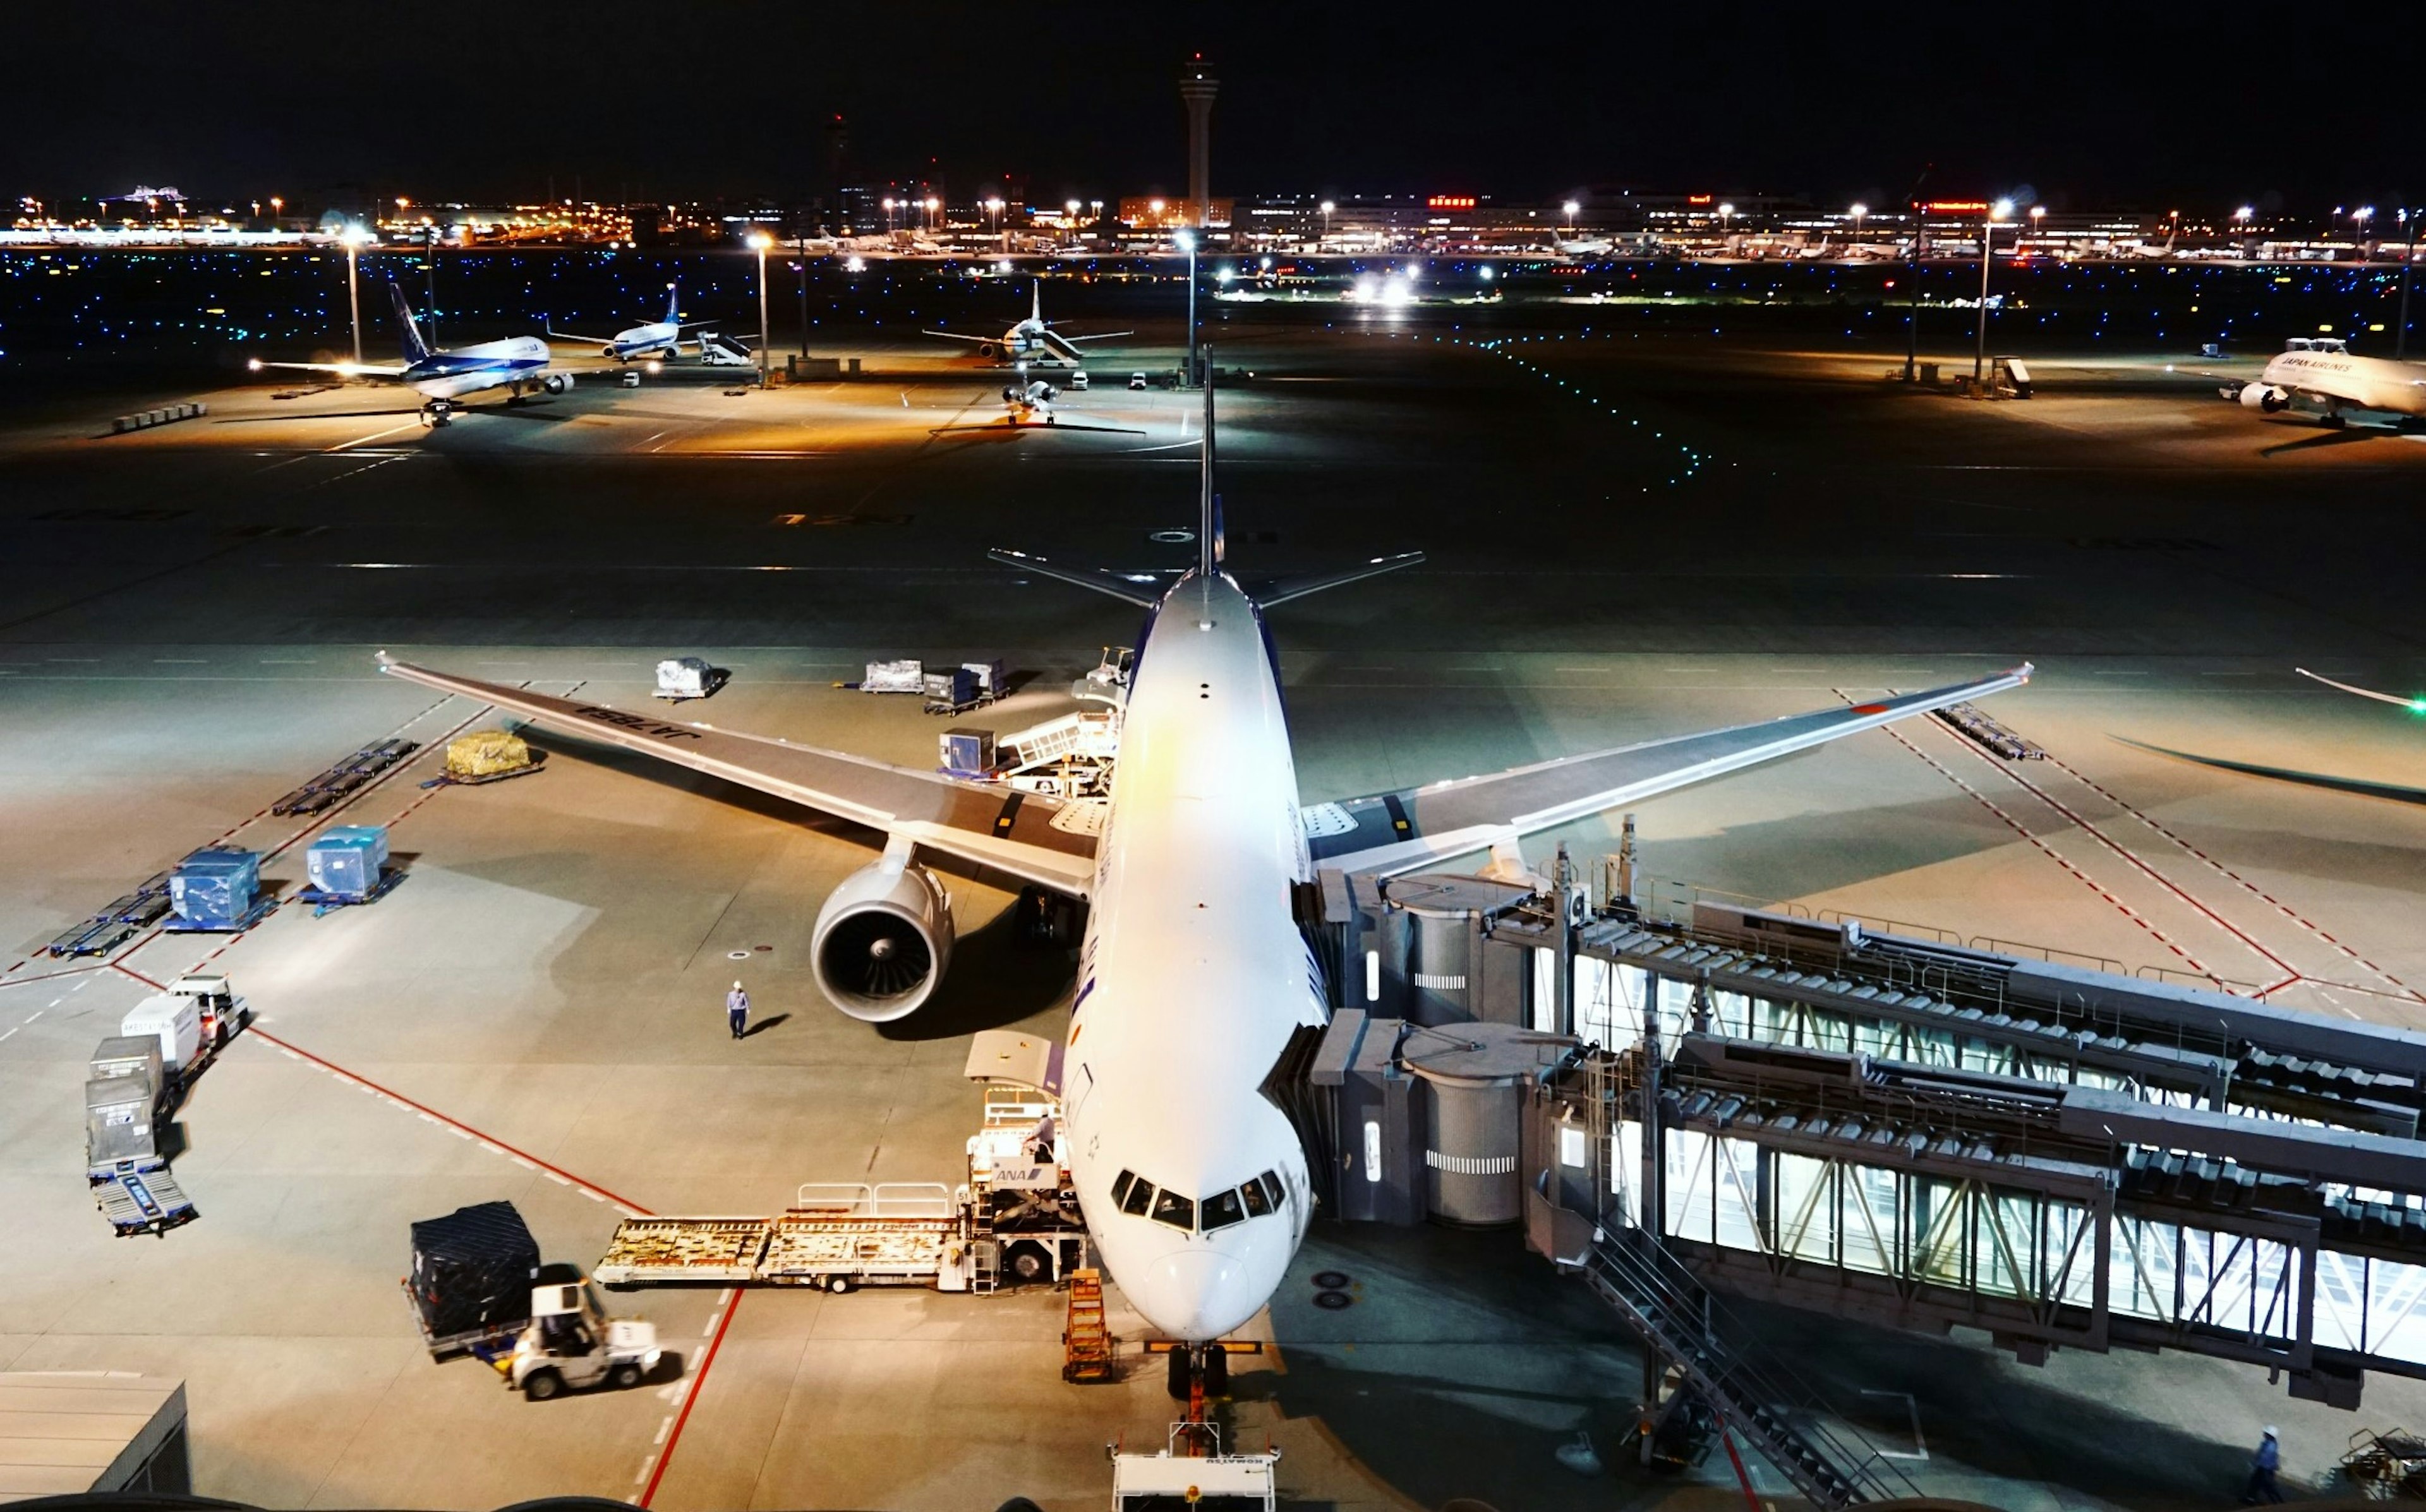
415 349
1209 545
1036 301
674 304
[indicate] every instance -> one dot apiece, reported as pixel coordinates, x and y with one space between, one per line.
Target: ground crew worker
2262 1466
737 1010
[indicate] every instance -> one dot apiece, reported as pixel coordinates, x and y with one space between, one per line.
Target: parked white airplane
1192 973
1032 339
2319 375
650 338
516 364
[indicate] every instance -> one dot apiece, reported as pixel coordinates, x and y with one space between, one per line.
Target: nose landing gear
1197 1373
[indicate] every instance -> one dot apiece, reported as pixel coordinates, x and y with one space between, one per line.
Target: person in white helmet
737 1011
2262 1466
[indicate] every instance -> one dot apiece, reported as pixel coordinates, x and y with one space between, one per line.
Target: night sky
2126 102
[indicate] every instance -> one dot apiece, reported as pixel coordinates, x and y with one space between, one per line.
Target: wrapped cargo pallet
487 752
471 1274
345 860
214 887
893 677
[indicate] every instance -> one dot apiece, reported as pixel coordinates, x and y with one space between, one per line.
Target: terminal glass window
1221 1209
1173 1209
1140 1201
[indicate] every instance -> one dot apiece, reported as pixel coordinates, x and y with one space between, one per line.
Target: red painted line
138 975
491 1140
698 1384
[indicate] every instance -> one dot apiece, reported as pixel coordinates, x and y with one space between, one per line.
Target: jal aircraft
1193 974
650 338
2322 375
516 364
1032 339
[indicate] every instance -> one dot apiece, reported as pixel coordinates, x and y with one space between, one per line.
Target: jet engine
882 939
610 353
556 382
2264 396
987 348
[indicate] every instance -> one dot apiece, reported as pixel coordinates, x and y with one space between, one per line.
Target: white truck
1193 1475
571 1342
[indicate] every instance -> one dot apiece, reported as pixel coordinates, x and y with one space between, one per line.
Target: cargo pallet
178 924
485 1342
321 900
143 1201
344 777
539 759
1986 733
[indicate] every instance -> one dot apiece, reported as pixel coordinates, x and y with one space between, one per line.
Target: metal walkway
1676 1317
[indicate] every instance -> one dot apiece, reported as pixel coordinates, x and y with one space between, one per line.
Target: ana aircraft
516 364
651 338
2319 375
1032 339
1192 975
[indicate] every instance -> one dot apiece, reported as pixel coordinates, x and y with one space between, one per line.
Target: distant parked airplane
516 364
650 338
1032 339
2318 375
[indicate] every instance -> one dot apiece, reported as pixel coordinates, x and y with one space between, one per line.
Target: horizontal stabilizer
1144 591
1283 589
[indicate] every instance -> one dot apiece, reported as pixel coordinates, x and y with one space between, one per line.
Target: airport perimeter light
759 242
353 236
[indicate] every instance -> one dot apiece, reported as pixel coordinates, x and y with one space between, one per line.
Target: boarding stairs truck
571 1343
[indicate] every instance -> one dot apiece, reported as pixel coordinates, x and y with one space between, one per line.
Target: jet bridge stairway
1674 1315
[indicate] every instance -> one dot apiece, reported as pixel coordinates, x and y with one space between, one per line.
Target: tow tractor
571 1342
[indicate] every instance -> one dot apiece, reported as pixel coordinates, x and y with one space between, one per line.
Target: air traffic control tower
1197 88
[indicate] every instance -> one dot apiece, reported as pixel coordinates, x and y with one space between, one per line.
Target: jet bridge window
1221 1209
1168 1207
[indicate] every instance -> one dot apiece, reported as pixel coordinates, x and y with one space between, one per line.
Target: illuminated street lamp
1857 212
1987 235
353 236
1327 208
994 209
2359 218
2038 214
1567 214
1724 211
2408 261
759 242
1186 240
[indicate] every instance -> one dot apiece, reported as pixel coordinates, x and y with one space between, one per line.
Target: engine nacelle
556 382
882 939
2264 396
987 348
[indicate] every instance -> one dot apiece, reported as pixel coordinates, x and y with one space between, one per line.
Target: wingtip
385 660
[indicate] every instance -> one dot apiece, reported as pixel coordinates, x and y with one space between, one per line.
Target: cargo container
215 890
120 1115
173 1022
127 1056
347 863
470 1284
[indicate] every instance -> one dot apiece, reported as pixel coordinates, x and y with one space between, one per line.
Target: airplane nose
1196 1295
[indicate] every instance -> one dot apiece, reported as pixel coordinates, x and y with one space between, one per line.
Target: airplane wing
2413 705
1390 832
553 334
1021 833
1069 345
954 335
350 369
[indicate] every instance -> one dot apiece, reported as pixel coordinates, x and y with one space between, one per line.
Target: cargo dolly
321 900
107 930
262 908
146 1201
345 776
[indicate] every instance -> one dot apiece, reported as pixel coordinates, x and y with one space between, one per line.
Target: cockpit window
1140 1198
1258 1201
1120 1185
1171 1208
1221 1209
1273 1188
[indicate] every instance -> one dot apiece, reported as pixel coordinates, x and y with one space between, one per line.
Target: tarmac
187 624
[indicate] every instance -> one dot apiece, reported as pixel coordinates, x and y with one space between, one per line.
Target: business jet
650 338
1192 975
2318 375
1032 339
517 364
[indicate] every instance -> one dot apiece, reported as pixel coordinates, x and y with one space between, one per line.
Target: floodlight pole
2408 261
762 310
803 267
1988 238
354 297
1193 377
1912 275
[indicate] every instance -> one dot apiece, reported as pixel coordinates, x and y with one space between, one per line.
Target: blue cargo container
345 862
216 888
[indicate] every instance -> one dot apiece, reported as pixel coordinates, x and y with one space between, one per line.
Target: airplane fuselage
648 339
2339 378
1192 976
470 369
